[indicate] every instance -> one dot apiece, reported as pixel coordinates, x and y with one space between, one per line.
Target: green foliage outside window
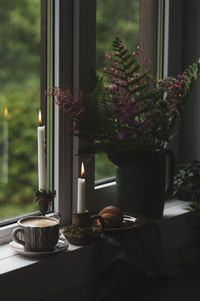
20 89
20 93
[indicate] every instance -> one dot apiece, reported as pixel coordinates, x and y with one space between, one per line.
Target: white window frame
73 20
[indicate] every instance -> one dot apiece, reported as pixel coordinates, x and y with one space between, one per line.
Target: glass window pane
112 16
19 105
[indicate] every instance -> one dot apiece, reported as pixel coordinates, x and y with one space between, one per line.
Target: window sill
75 266
35 279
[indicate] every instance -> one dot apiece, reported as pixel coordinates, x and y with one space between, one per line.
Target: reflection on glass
19 104
4 148
112 16
103 167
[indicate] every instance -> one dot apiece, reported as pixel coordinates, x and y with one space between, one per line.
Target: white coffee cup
37 233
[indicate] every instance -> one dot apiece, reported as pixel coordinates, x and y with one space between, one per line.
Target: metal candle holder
81 219
84 219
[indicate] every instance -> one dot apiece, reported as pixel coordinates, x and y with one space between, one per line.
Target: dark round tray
130 221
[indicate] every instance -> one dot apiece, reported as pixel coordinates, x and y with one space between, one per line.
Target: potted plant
186 187
81 235
131 116
186 184
44 198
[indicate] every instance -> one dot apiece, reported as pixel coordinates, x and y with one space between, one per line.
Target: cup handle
56 215
99 217
171 171
15 237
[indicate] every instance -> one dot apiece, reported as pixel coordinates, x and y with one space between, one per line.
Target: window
75 57
68 33
75 45
19 105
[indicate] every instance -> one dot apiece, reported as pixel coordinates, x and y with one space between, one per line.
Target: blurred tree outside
20 93
113 16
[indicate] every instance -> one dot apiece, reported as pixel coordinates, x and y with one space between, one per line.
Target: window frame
63 161
70 60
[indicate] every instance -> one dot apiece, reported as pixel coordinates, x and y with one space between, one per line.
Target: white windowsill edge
75 266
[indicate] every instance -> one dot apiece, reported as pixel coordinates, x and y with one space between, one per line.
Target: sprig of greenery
80 231
44 195
187 184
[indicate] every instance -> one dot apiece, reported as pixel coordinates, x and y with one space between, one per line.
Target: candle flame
82 169
40 117
5 112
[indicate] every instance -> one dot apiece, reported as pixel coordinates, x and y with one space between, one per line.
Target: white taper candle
41 156
81 193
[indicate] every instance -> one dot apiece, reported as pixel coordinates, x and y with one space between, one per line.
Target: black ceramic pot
143 180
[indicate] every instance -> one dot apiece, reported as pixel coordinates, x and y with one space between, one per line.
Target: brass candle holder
84 219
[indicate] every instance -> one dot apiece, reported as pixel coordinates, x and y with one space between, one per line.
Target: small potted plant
187 184
44 198
187 187
81 235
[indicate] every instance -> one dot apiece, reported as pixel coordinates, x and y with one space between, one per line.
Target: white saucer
19 249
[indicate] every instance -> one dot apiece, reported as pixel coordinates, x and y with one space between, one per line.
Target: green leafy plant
187 187
44 195
44 198
81 235
187 184
128 109
75 230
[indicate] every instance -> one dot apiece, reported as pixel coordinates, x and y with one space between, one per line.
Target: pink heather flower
67 102
123 134
109 56
114 86
140 50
